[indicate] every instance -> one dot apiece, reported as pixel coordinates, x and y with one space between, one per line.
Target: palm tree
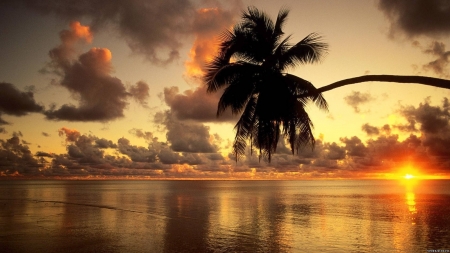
251 65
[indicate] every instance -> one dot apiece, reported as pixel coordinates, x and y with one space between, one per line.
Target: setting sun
409 176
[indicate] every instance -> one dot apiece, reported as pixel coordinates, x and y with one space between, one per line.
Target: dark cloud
370 130
136 154
373 130
408 127
45 134
148 136
140 92
354 146
146 27
356 99
16 157
2 121
155 29
197 105
100 96
387 148
3 130
85 149
17 134
161 153
440 65
86 154
188 136
43 154
15 102
432 119
434 125
386 129
104 143
418 17
334 151
427 18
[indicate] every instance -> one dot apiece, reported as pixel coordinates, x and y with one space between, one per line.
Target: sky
112 89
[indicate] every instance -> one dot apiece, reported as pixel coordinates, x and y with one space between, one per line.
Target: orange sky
100 94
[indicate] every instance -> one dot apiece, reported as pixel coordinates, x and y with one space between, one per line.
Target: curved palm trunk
431 81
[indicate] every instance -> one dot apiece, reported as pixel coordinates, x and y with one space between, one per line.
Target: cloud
188 136
140 92
419 17
17 134
354 146
43 154
434 124
45 134
136 154
2 121
71 134
373 130
183 154
146 27
148 136
386 129
334 151
15 102
197 105
440 65
159 154
104 143
16 157
431 119
208 23
356 99
370 130
100 96
155 29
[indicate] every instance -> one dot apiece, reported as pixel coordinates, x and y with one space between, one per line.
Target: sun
408 176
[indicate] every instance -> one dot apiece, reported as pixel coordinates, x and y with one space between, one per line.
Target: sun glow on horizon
409 176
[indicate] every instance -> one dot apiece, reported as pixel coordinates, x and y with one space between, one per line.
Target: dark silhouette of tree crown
250 66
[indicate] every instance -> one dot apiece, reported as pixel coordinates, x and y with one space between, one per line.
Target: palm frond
237 94
244 127
279 23
266 137
220 73
309 50
305 90
257 20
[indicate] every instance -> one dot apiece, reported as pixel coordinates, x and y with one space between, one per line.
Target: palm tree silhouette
251 65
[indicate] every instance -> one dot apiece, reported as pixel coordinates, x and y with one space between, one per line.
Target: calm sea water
224 216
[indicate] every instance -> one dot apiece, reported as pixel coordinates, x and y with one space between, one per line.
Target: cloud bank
191 151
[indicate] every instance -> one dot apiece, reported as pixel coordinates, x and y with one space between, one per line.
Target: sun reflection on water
410 183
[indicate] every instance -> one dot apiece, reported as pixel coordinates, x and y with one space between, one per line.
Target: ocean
225 216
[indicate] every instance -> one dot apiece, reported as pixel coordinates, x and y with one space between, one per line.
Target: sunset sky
96 88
